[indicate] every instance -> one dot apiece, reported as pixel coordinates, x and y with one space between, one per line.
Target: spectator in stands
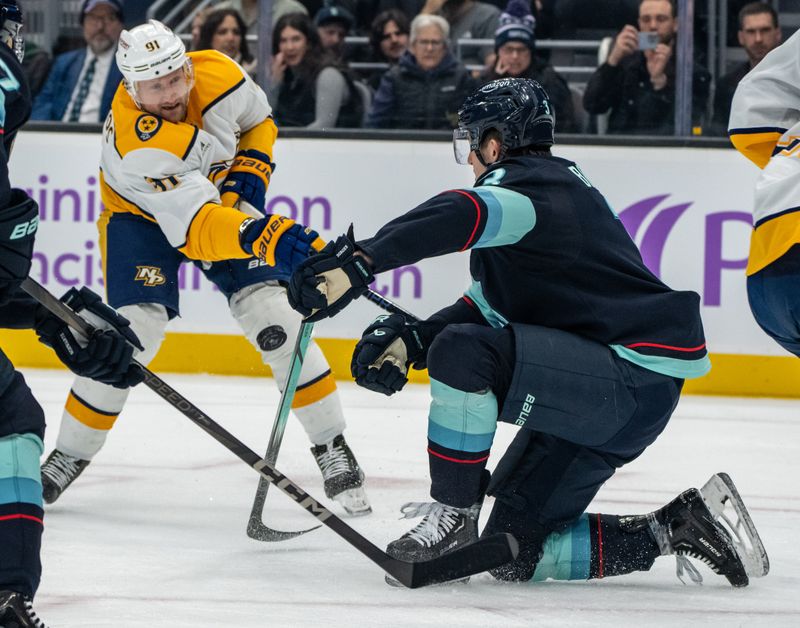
426 88
468 19
248 9
333 23
308 88
389 40
638 86
82 82
759 33
515 44
197 24
224 30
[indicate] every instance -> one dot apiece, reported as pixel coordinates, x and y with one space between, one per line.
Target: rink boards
688 210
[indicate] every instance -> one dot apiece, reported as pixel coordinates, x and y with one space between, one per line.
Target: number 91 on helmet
157 74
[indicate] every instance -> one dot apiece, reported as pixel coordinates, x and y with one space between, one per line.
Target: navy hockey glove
324 284
279 241
248 179
386 349
107 354
18 224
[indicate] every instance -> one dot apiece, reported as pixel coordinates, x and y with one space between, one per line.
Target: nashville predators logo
150 275
147 126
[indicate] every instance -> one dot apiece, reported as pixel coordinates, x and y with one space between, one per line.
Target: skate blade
398 585
725 503
354 501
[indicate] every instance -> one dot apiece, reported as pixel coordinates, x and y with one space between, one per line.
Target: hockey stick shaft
480 556
256 529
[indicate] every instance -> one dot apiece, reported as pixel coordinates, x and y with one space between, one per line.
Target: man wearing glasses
82 82
426 87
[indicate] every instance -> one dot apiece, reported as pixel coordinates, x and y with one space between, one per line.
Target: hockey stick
486 553
256 528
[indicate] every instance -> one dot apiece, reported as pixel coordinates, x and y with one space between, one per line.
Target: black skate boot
344 479
16 611
443 529
58 472
686 527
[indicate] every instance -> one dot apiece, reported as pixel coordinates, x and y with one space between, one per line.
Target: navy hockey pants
141 266
583 413
774 295
21 433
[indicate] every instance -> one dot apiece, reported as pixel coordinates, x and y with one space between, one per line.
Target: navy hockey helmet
10 27
519 109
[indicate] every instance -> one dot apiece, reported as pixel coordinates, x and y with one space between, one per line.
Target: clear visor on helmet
167 89
11 37
461 145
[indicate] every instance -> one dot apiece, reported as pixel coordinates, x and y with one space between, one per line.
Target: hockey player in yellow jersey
187 155
765 127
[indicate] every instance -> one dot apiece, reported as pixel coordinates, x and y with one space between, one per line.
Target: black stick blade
486 553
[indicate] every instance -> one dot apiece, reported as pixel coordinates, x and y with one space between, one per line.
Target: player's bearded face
167 97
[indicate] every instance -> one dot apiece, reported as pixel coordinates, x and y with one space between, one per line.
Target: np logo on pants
150 275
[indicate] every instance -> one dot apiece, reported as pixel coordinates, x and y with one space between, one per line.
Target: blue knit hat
516 24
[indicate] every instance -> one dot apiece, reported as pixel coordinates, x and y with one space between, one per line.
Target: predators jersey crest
147 126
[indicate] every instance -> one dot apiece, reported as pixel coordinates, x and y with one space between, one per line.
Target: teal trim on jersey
510 216
20 475
566 555
461 420
683 369
493 317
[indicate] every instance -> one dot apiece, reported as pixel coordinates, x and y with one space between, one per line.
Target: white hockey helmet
150 51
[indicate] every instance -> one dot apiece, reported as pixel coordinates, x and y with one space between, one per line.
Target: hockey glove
248 179
279 241
106 355
324 284
386 349
18 224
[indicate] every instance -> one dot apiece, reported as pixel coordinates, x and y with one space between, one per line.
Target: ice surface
153 533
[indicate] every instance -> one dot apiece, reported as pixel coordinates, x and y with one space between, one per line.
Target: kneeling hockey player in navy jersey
563 332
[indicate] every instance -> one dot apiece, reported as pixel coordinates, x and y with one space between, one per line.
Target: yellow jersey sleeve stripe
314 391
757 145
213 234
261 137
87 415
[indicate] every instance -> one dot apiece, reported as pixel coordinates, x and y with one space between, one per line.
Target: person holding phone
636 84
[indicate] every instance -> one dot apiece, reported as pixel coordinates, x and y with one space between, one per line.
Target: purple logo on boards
652 239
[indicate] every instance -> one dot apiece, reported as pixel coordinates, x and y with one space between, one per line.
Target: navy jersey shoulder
16 97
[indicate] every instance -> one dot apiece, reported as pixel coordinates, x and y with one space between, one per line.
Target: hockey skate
443 529
689 526
344 479
58 472
16 611
724 502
